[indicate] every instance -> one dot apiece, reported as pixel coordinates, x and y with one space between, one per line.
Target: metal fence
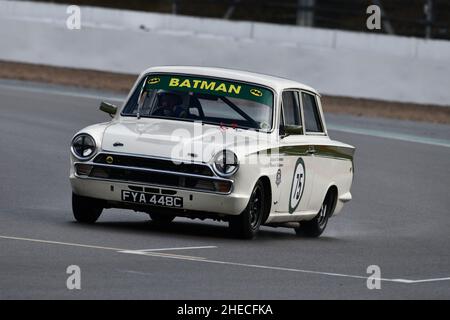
419 18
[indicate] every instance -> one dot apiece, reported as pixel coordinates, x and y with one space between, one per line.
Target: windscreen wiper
241 113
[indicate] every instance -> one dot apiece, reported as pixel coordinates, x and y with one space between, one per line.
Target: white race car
197 142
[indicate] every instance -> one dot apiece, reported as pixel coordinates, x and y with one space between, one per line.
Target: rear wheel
246 225
86 210
315 227
162 218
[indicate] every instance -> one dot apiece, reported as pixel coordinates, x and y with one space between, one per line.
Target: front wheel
315 227
246 225
86 210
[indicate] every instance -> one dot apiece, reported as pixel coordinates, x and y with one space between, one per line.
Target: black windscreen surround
311 113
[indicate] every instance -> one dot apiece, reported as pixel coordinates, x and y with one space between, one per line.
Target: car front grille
154 163
153 171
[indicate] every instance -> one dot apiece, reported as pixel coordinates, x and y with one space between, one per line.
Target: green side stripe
334 152
341 153
294 150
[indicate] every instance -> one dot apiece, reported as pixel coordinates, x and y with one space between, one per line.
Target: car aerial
197 142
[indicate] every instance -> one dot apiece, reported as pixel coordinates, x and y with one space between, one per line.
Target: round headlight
225 163
83 146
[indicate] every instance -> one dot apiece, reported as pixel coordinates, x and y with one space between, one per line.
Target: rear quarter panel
333 167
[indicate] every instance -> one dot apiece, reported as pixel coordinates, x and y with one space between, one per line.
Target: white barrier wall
335 62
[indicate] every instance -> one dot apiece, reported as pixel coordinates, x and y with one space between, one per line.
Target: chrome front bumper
197 183
226 204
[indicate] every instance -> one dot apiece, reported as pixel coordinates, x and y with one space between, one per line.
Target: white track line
428 280
404 281
61 92
62 243
177 248
199 259
100 247
163 255
392 135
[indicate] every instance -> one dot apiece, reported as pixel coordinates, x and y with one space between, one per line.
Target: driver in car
170 105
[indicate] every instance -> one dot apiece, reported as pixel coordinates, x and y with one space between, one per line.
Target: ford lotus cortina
234 146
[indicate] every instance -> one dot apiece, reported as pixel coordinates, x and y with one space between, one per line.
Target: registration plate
152 199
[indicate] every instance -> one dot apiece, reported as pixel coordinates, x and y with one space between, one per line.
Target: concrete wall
335 62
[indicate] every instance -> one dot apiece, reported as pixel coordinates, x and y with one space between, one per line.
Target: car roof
276 83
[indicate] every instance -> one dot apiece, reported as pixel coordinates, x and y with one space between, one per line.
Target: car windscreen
209 100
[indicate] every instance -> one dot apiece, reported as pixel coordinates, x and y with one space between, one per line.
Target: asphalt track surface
399 219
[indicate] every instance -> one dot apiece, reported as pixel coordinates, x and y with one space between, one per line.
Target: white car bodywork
321 163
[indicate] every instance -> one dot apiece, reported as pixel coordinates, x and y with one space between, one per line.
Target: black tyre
86 210
162 218
315 227
246 225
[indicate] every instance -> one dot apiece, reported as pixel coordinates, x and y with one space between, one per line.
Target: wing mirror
288 130
108 108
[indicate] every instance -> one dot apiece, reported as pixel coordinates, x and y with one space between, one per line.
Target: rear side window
311 113
291 109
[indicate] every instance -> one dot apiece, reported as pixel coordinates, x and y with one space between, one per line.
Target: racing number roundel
298 184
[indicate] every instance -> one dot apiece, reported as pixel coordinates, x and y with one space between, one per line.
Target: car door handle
311 150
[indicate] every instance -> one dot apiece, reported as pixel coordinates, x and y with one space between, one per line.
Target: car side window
291 109
311 113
